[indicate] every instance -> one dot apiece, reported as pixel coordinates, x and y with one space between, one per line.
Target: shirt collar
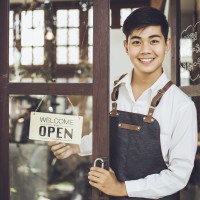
126 79
160 83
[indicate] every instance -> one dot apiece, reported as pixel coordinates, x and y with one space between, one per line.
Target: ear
126 46
168 45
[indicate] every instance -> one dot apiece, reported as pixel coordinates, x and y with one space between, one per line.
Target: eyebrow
138 37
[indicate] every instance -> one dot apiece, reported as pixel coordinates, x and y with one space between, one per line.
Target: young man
153 123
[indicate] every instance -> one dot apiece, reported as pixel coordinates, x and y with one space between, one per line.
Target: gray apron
135 150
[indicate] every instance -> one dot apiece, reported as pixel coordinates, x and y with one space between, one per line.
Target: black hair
143 17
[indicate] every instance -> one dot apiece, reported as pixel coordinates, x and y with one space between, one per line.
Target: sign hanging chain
44 97
72 106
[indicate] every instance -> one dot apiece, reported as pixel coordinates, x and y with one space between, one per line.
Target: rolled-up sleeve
86 145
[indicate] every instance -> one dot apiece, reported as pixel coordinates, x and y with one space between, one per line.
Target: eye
154 41
136 42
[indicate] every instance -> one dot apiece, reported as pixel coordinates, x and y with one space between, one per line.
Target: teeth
146 59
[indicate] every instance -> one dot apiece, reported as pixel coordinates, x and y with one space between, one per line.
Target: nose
145 48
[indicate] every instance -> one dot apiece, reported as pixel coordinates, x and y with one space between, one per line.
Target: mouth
146 60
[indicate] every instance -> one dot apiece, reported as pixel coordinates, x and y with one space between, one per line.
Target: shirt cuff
86 145
135 188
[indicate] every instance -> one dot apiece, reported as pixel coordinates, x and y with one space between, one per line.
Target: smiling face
146 49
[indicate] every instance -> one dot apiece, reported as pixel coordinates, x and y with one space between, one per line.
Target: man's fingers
58 146
96 185
52 143
100 170
60 150
95 174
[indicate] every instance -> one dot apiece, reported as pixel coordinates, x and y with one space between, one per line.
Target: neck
145 80
142 81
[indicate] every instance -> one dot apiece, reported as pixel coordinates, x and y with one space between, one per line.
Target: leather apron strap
155 101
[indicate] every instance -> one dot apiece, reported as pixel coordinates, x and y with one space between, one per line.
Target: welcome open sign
47 127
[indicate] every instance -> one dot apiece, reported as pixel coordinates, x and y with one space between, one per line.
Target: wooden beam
192 91
158 4
101 85
50 88
4 131
175 22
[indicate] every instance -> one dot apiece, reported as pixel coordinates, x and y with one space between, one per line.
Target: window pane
90 36
11 56
189 62
61 55
90 54
11 19
124 12
38 18
38 37
62 18
73 18
26 19
27 37
61 36
90 18
73 55
26 56
38 56
34 172
73 36
11 37
63 48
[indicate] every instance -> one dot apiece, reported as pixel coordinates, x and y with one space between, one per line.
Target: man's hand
106 181
63 150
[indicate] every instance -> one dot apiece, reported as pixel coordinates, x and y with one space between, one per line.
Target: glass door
52 63
189 67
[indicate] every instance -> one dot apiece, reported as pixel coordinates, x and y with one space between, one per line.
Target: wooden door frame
4 130
99 89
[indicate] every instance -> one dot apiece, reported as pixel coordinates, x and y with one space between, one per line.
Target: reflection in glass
61 55
73 55
27 37
11 36
90 35
90 54
26 56
73 36
189 62
11 56
38 37
61 36
73 18
38 18
124 12
68 35
11 19
38 55
26 19
62 18
48 41
34 172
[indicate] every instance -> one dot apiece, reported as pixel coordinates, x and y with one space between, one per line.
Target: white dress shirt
176 115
